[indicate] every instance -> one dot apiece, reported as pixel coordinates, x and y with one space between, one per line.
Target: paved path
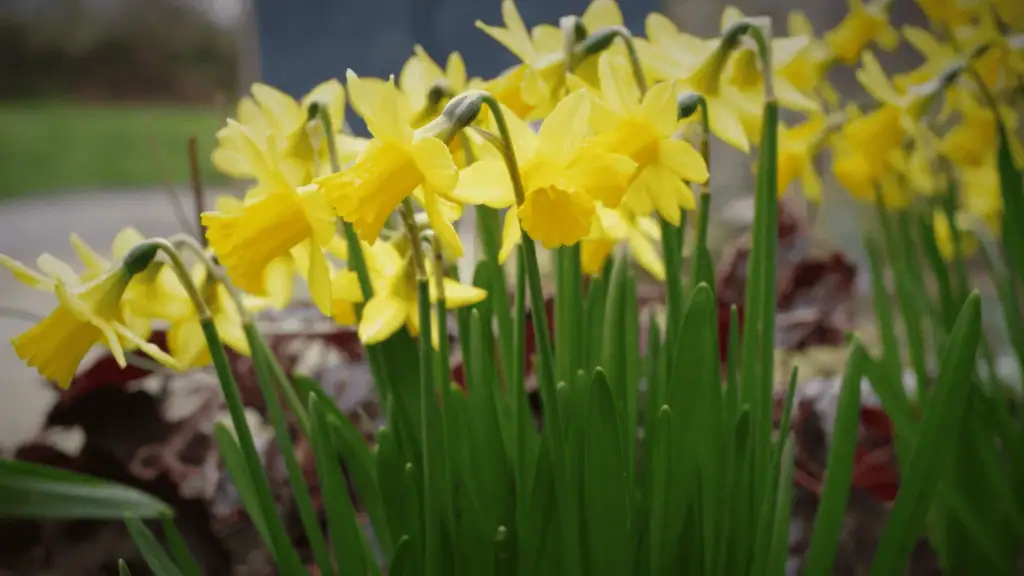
42 224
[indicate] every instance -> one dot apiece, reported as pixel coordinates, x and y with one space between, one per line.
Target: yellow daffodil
980 194
561 177
421 74
744 69
614 226
864 24
530 88
944 236
145 298
945 13
394 302
974 139
185 339
731 110
267 228
642 129
669 53
397 162
863 153
798 148
87 313
910 104
271 111
808 70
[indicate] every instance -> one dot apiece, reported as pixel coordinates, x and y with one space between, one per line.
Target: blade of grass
1012 188
229 451
152 552
835 494
941 426
779 549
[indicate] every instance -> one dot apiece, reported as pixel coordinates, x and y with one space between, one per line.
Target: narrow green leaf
940 272
659 485
152 552
828 521
672 252
266 378
593 331
234 462
787 411
941 426
431 462
180 552
779 550
489 226
349 442
399 499
741 534
606 496
34 491
568 311
539 513
631 351
280 544
122 569
347 542
702 269
402 561
1013 204
613 360
887 379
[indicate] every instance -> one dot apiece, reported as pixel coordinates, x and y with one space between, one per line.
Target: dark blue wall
303 42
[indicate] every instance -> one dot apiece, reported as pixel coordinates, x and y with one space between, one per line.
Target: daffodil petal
26 275
458 295
94 263
319 278
434 161
382 107
618 87
511 235
644 253
564 130
383 315
485 182
56 268
446 233
187 344
683 160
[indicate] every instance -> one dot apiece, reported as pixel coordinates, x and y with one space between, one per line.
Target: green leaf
828 521
489 226
606 496
180 552
269 382
402 561
593 330
658 486
359 461
349 547
613 361
432 441
122 569
942 425
34 491
568 312
231 454
672 252
779 549
280 544
401 503
702 269
1013 204
152 552
538 514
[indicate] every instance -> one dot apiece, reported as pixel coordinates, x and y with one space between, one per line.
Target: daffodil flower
968 242
744 69
395 304
863 152
798 147
248 241
974 139
529 89
421 74
271 111
185 339
808 70
87 313
614 226
643 129
864 24
561 177
398 162
145 298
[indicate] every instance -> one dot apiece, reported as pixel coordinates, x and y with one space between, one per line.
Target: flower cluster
596 138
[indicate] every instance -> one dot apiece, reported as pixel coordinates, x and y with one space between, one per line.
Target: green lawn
48 147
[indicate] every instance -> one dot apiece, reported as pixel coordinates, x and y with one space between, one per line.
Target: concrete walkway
43 224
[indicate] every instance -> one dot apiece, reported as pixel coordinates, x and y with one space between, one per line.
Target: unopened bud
140 257
688 103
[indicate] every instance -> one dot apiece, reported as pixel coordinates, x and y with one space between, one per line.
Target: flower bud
688 103
139 258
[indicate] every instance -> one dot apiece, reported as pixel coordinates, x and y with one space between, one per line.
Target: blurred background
98 99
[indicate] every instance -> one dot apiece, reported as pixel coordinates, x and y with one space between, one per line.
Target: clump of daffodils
582 143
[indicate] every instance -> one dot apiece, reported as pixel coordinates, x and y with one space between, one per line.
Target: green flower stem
356 259
431 518
281 545
601 40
